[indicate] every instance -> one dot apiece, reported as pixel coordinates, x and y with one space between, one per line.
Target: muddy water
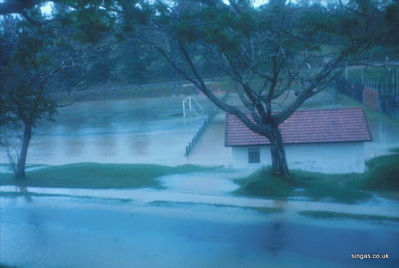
119 131
149 131
210 149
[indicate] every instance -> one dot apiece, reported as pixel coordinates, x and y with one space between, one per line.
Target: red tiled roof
306 126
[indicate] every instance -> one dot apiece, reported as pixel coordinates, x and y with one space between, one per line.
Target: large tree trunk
279 161
20 171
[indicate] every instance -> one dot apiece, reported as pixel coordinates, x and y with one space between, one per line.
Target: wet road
63 232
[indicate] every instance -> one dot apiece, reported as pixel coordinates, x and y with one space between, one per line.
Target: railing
203 127
199 133
380 95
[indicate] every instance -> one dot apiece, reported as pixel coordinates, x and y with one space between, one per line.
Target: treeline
104 49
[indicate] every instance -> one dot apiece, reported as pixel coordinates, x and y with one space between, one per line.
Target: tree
35 49
269 51
25 73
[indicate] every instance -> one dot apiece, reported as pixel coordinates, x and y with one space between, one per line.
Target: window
253 155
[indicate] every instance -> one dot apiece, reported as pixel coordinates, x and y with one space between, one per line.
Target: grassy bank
372 73
313 186
263 210
96 175
382 175
150 90
339 215
6 266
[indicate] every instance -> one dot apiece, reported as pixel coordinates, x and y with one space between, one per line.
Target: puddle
215 182
64 233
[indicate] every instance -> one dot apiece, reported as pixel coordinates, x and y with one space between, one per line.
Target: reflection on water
275 241
121 131
139 144
90 233
107 145
72 146
385 137
383 131
22 188
277 232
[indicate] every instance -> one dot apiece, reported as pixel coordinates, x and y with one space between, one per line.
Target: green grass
167 89
382 175
372 73
150 91
394 150
314 186
340 215
264 184
265 210
96 175
6 266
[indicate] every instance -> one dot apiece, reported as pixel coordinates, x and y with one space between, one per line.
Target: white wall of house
318 157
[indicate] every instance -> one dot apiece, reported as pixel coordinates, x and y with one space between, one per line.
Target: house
329 140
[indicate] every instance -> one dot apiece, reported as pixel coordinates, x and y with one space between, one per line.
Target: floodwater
213 138
177 227
153 131
116 131
193 222
385 137
76 232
